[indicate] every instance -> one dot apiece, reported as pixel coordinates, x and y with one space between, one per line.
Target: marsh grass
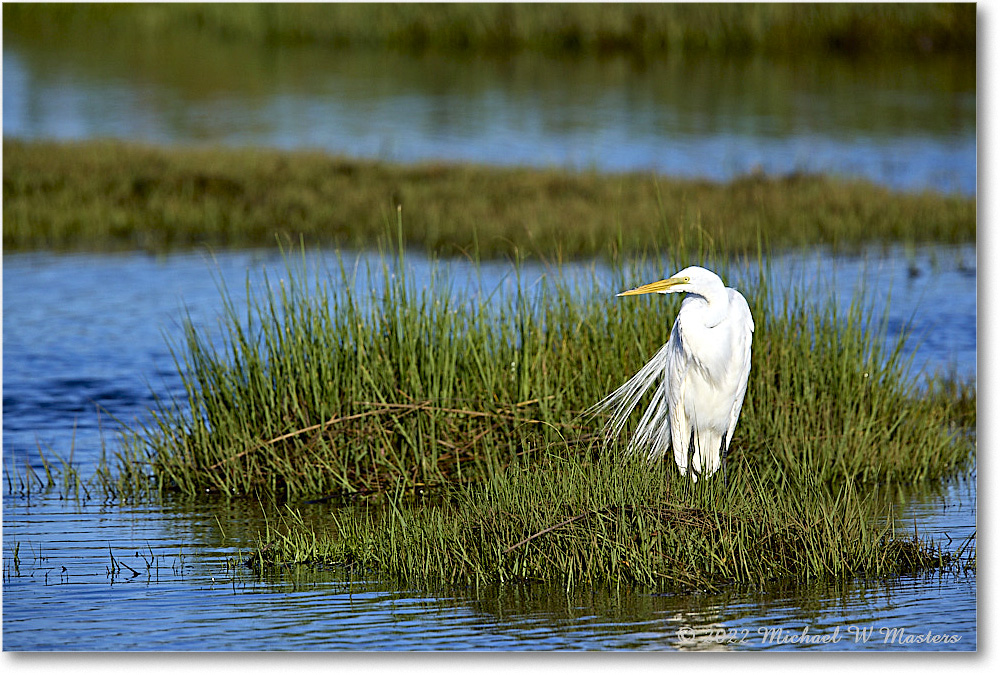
831 395
957 395
617 521
317 389
314 391
58 474
447 429
644 30
116 196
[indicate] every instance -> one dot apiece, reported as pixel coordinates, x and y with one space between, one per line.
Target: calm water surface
910 124
85 340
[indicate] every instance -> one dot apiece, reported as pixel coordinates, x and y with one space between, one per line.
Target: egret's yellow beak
655 287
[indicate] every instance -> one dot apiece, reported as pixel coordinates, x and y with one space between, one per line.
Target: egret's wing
653 433
744 329
621 402
680 361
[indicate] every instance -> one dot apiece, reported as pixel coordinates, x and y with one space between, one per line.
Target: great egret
703 371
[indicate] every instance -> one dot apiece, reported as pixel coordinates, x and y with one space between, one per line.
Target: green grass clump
316 390
958 396
564 28
613 521
313 389
830 395
116 196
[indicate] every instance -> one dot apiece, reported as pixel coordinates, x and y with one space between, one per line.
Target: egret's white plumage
702 373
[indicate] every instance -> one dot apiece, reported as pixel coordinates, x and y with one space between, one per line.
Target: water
85 341
66 598
910 124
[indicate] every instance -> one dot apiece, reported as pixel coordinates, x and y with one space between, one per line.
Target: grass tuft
315 390
623 522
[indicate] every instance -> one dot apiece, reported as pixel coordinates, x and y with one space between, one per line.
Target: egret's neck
716 306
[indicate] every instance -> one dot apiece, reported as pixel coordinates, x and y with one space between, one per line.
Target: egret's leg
725 463
690 459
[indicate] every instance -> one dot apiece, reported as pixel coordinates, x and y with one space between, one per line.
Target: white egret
702 372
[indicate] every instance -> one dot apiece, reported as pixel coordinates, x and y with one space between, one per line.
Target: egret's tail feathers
652 435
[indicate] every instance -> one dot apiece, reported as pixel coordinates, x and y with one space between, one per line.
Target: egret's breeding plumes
702 373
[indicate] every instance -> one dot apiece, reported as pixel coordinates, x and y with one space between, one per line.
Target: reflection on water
84 342
906 123
173 558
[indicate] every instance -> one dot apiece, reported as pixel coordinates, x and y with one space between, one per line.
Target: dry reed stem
389 407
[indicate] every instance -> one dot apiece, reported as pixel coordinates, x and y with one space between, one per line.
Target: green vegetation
618 522
451 425
108 196
313 390
565 28
456 422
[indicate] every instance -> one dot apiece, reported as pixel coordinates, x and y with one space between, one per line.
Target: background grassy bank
642 29
108 196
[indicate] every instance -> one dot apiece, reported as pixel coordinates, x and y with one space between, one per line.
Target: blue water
85 342
189 600
907 124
